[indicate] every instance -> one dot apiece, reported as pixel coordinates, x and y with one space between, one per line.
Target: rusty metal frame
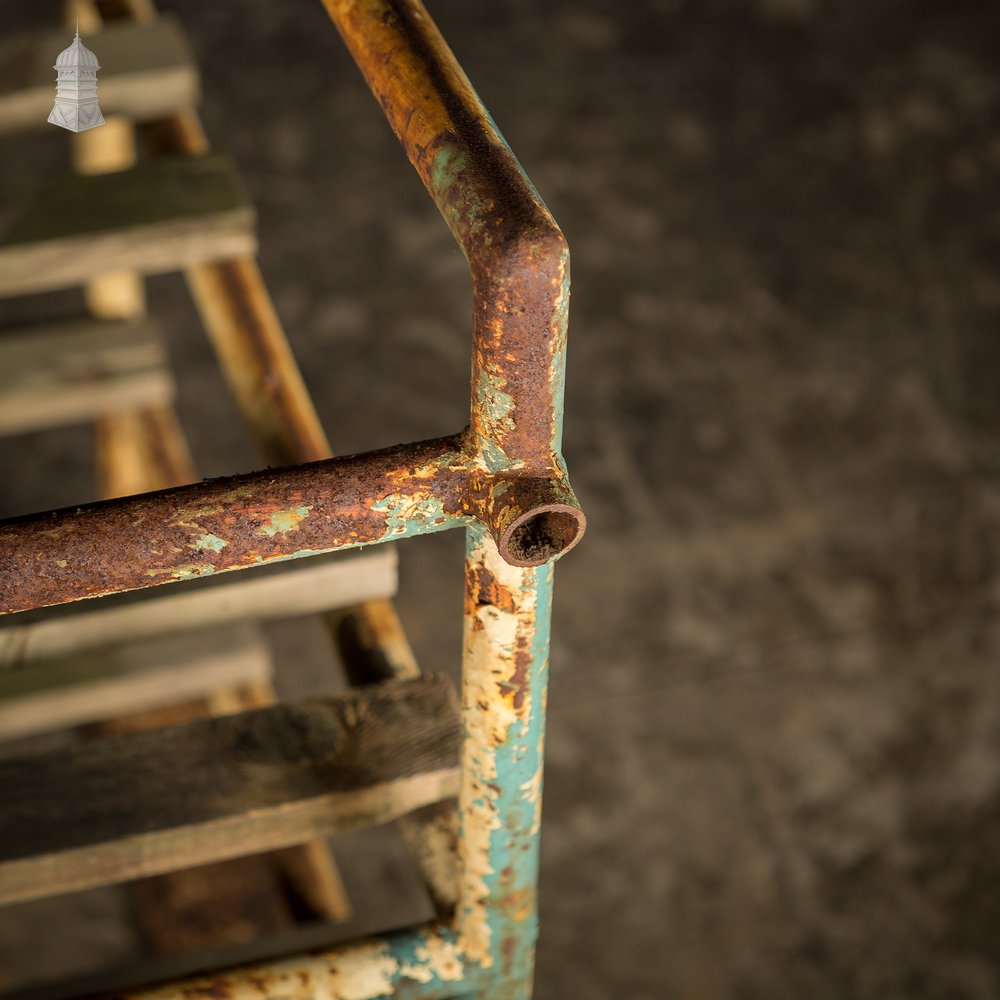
502 479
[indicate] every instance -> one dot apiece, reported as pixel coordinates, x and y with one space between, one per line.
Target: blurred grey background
773 766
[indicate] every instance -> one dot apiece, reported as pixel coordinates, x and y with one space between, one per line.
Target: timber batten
143 803
160 216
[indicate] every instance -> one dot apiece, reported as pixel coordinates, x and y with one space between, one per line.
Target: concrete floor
774 750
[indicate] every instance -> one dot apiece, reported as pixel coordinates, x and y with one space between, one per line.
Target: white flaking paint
366 971
438 959
488 715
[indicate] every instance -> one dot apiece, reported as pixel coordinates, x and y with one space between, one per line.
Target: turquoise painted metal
504 691
502 479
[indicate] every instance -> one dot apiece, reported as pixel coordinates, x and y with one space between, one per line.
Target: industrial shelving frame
502 480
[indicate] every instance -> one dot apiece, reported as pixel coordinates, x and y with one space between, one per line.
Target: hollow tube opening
542 535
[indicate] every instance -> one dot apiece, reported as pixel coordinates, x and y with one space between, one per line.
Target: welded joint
533 516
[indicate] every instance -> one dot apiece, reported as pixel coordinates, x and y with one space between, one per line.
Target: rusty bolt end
542 534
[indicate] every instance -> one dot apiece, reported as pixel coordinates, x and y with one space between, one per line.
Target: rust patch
483 588
153 538
516 686
516 252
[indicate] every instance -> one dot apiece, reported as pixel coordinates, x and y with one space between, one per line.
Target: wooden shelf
160 216
77 371
144 803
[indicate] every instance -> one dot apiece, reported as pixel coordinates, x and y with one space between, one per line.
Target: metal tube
504 479
233 523
418 964
245 331
504 674
517 254
244 521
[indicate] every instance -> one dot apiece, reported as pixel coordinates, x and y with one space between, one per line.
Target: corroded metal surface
504 672
502 478
244 521
232 523
517 254
419 964
512 475
489 949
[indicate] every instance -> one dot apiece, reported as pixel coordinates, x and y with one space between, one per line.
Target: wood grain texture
130 678
74 372
147 70
309 871
160 216
146 803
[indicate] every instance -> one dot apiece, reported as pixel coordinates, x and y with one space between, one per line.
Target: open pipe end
542 534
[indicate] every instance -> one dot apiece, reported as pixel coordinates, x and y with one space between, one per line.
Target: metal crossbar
502 479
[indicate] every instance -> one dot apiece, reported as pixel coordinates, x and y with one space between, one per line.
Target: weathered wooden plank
213 905
77 371
373 649
298 588
309 870
134 677
160 216
145 803
147 71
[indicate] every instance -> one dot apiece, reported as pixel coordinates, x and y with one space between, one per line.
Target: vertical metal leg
504 676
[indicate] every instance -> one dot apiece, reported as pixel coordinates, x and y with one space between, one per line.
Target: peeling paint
531 790
403 512
283 521
496 405
436 959
424 962
212 542
504 475
190 571
499 722
369 970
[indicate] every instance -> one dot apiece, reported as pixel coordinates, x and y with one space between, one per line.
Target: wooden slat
147 70
300 588
242 899
134 677
373 648
310 870
160 216
74 372
105 150
146 803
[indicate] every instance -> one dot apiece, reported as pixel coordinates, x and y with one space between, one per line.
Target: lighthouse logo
76 106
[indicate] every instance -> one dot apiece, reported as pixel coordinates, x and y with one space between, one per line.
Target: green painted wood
163 215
